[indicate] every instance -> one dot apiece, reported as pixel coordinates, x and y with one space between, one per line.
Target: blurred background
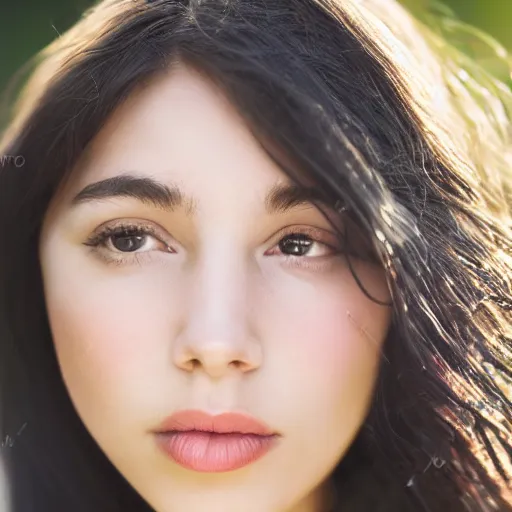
28 25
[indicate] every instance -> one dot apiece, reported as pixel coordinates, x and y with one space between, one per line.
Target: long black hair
371 106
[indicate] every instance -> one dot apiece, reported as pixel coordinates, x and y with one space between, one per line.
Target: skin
296 346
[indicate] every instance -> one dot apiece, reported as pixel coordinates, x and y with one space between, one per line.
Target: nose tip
215 327
217 358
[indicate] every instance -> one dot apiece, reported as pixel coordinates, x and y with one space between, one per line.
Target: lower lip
210 452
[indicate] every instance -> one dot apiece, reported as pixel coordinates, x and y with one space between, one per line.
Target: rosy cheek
98 346
337 348
327 348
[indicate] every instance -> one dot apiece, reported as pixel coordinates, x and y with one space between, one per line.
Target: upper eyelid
127 222
304 229
152 228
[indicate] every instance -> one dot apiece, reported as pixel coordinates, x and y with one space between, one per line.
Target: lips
201 442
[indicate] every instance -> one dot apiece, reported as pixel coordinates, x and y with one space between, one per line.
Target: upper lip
225 423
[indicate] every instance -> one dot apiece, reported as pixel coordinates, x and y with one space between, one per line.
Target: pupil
128 243
297 244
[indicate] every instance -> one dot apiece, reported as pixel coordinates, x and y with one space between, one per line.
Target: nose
216 338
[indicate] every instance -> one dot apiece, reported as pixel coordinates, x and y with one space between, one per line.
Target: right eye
113 242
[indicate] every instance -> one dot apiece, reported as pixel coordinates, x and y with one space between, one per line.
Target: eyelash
98 242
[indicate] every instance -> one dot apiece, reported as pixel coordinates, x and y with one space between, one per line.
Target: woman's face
222 302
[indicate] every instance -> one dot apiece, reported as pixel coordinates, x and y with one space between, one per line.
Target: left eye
128 243
299 244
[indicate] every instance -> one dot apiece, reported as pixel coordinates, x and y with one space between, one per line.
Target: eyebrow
279 199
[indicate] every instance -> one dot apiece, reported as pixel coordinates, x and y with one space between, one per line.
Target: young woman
256 257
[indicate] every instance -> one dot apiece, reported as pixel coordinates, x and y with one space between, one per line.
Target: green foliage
470 36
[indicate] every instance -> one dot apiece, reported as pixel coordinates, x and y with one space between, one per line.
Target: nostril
240 365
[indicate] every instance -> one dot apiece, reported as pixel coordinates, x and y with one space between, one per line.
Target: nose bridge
220 290
216 336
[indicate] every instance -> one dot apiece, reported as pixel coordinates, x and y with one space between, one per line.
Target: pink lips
205 443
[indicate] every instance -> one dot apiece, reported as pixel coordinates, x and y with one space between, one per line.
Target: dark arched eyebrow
281 198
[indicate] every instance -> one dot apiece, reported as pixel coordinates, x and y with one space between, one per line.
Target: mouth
201 442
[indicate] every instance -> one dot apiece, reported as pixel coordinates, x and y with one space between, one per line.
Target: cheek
108 339
95 356
337 337
328 358
324 365
88 334
336 364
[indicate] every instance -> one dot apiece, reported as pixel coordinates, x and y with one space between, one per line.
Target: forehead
180 132
179 127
